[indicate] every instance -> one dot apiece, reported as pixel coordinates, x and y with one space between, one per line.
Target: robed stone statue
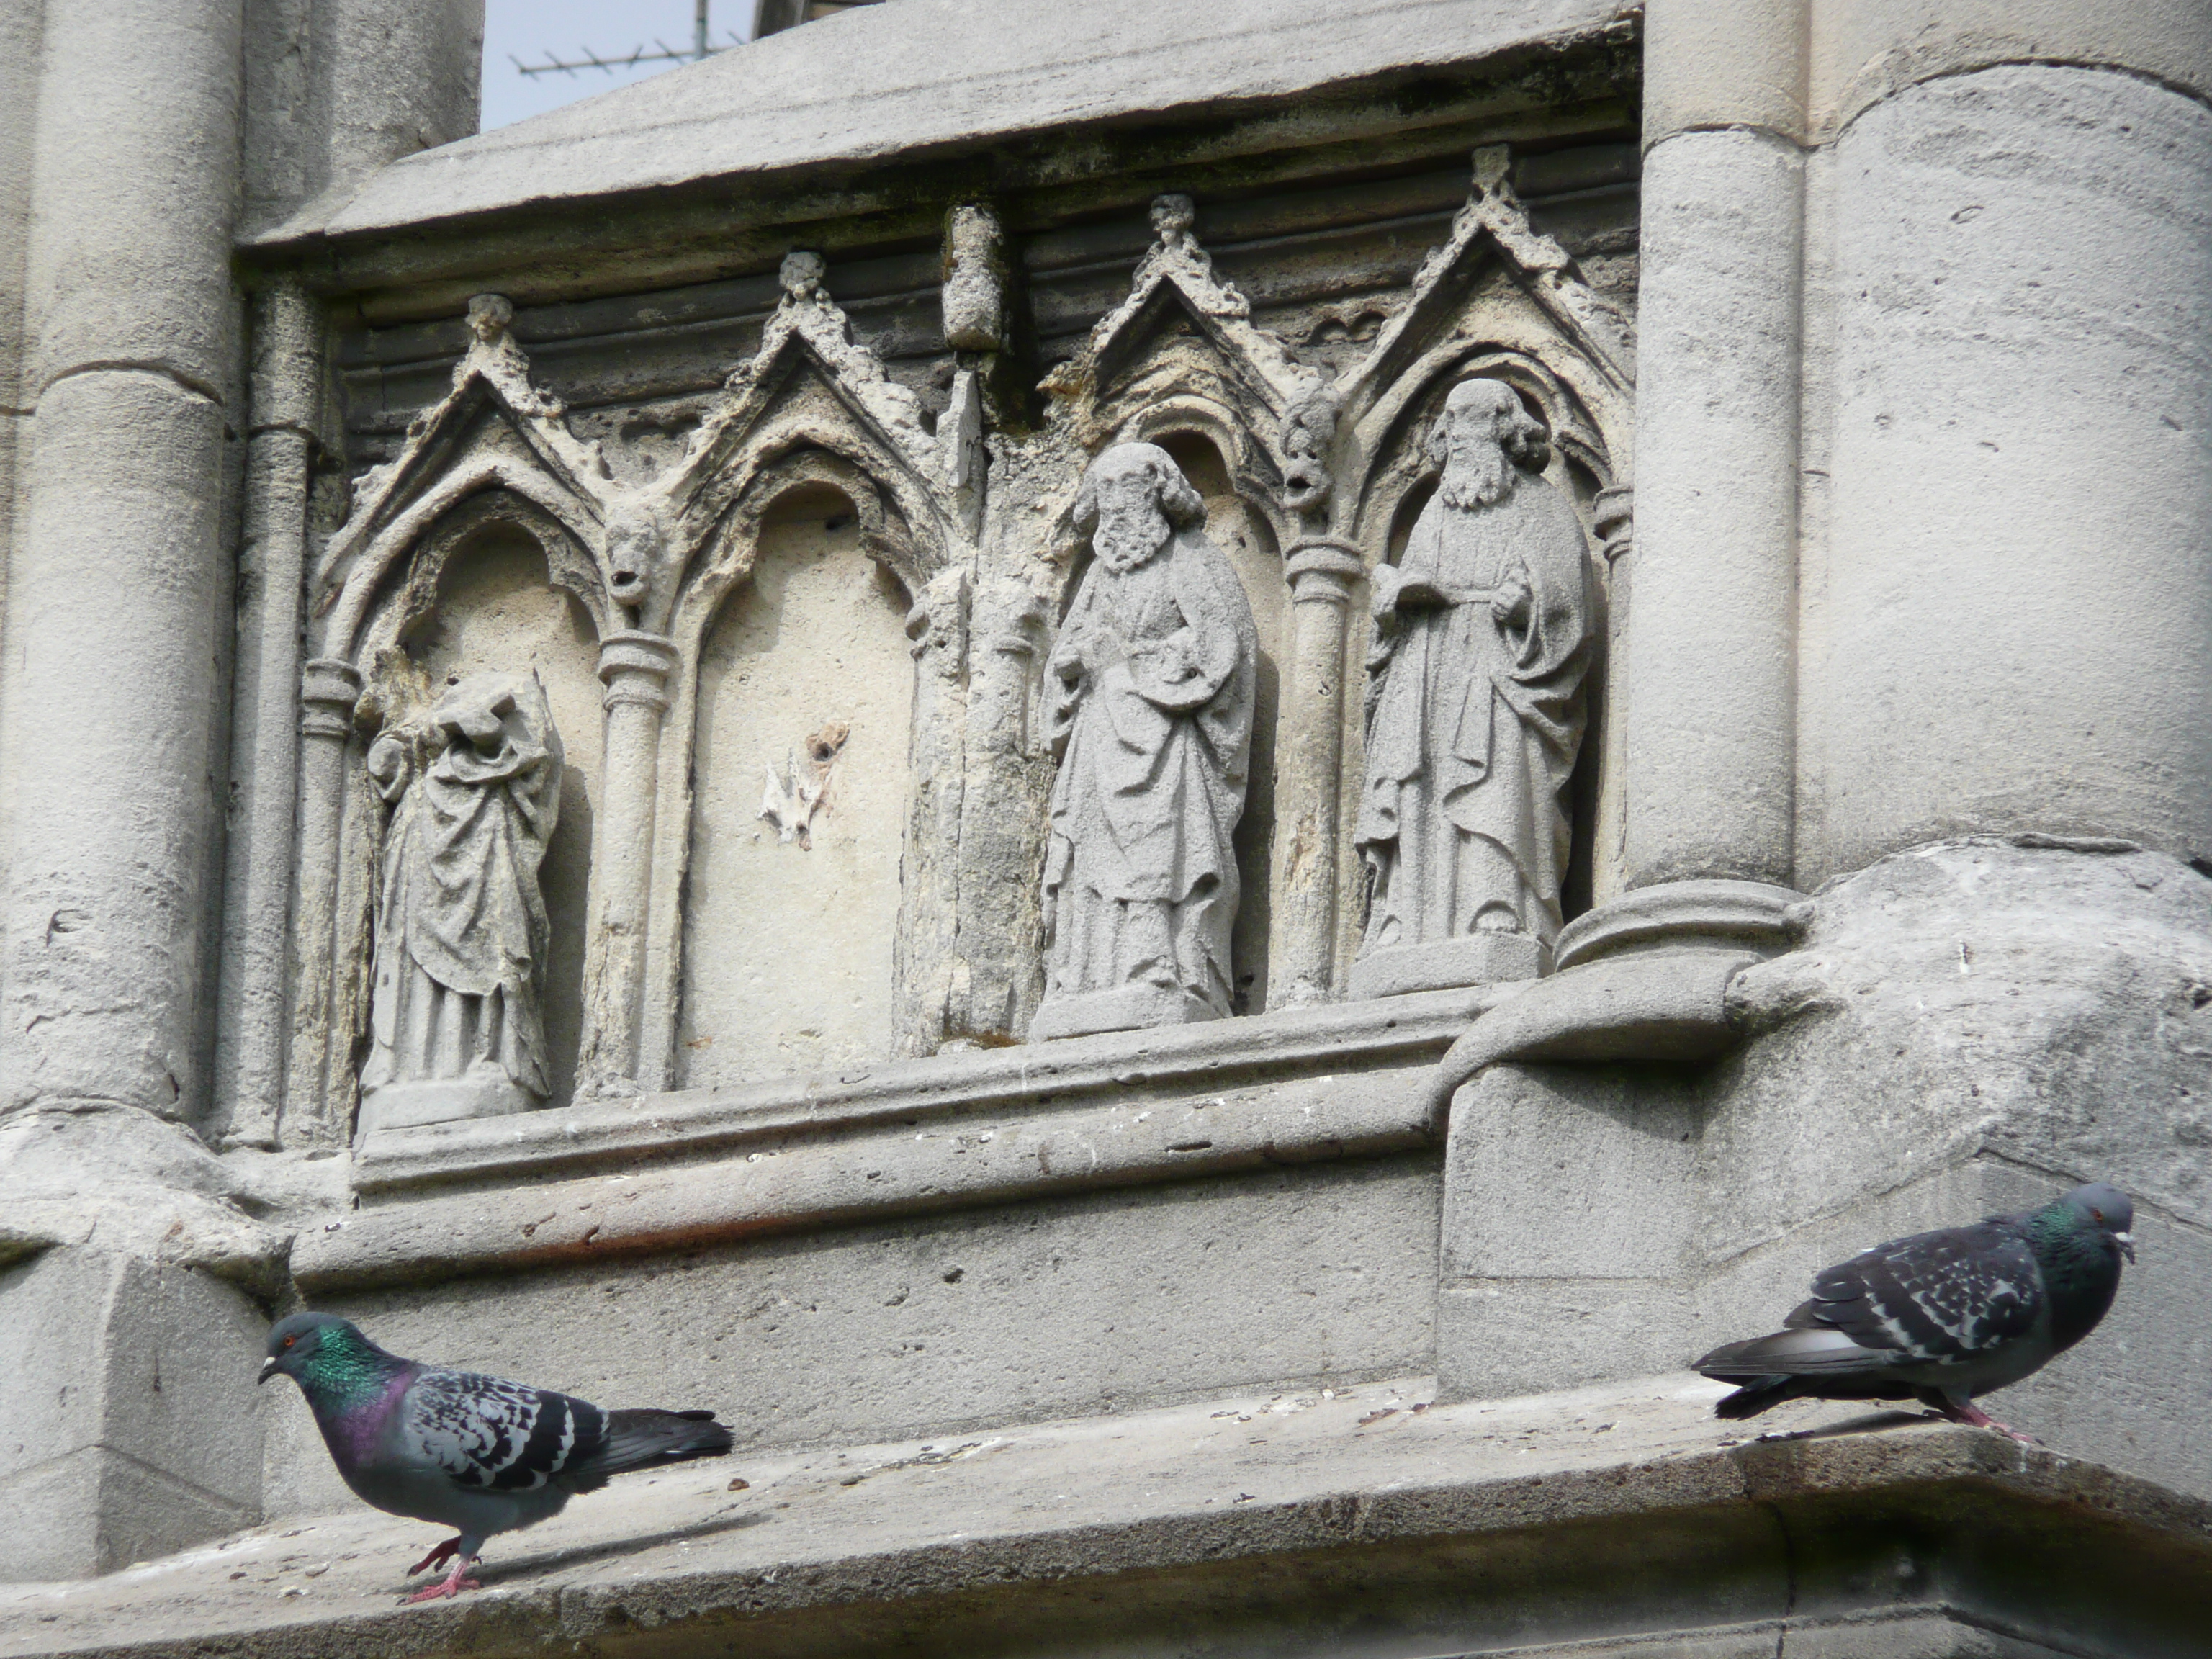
1151 686
1484 633
456 1027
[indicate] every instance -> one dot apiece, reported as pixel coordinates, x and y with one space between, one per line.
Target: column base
440 1100
1124 1008
1733 915
1445 964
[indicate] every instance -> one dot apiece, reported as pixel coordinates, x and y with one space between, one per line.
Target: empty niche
792 898
496 610
1244 534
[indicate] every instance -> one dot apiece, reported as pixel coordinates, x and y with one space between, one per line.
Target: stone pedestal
486 1092
1438 964
1124 1008
132 1426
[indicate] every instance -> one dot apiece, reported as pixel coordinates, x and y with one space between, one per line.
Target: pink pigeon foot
452 1584
1973 1415
436 1558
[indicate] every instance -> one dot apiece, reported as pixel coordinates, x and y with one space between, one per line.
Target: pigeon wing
1940 1298
497 1436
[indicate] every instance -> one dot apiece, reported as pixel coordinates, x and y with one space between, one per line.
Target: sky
566 29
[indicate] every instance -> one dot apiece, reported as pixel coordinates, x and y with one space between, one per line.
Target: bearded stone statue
455 1022
1152 684
1484 633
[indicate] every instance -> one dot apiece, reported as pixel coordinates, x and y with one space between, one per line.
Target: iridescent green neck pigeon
466 1451
1943 1316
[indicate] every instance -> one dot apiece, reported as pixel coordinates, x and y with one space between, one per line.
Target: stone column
634 668
1706 694
1309 764
329 688
118 588
118 603
2013 611
249 1083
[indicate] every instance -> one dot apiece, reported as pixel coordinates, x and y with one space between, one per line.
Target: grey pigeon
1943 1316
466 1451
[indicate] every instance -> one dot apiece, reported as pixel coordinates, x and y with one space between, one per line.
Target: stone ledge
679 1170
691 1122
1588 1522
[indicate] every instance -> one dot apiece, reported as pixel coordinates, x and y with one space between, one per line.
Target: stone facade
1131 719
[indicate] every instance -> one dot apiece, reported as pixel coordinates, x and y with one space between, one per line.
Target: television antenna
703 47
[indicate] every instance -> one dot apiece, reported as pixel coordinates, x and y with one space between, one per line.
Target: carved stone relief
456 1024
1088 786
1152 690
1483 638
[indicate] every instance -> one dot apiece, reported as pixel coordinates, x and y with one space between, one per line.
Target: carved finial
1492 163
801 277
1173 216
491 315
974 299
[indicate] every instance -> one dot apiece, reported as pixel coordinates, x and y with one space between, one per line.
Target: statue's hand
1382 585
1510 603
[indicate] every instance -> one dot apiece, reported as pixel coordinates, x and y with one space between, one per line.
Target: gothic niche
1150 690
805 712
1475 711
456 1017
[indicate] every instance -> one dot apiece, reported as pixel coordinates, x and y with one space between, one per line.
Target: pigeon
1943 1316
469 1452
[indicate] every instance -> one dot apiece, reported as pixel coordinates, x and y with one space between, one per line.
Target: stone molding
1173 1062
1731 915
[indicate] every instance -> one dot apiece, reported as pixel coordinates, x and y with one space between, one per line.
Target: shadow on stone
557 1560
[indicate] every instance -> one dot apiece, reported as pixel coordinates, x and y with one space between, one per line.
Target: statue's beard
1125 539
1476 478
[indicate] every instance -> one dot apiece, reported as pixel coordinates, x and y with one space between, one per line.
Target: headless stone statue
1483 633
455 1024
1153 680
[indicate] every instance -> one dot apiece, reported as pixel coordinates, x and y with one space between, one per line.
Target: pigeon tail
1759 1393
648 1439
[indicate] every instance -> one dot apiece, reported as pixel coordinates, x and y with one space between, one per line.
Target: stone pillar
119 586
1706 699
635 667
249 1083
329 689
119 603
1309 764
2013 616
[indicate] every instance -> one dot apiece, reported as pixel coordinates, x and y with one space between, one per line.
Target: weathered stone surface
883 81
1979 703
457 1026
1153 682
1610 1521
1475 712
1963 1029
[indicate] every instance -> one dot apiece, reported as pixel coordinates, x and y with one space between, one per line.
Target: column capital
1321 569
635 667
329 689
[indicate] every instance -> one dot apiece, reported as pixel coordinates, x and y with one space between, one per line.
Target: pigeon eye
2097 1215
289 1341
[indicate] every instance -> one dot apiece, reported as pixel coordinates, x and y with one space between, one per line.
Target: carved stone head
1483 434
801 274
491 315
1134 498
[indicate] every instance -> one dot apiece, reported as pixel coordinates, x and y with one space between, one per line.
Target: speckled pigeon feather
476 1453
1942 1316
503 1436
1943 1296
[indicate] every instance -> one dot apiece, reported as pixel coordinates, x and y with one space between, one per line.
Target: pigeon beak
2127 1244
268 1371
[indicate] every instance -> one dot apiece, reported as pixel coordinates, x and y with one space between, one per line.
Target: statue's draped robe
1140 877
461 927
1473 724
